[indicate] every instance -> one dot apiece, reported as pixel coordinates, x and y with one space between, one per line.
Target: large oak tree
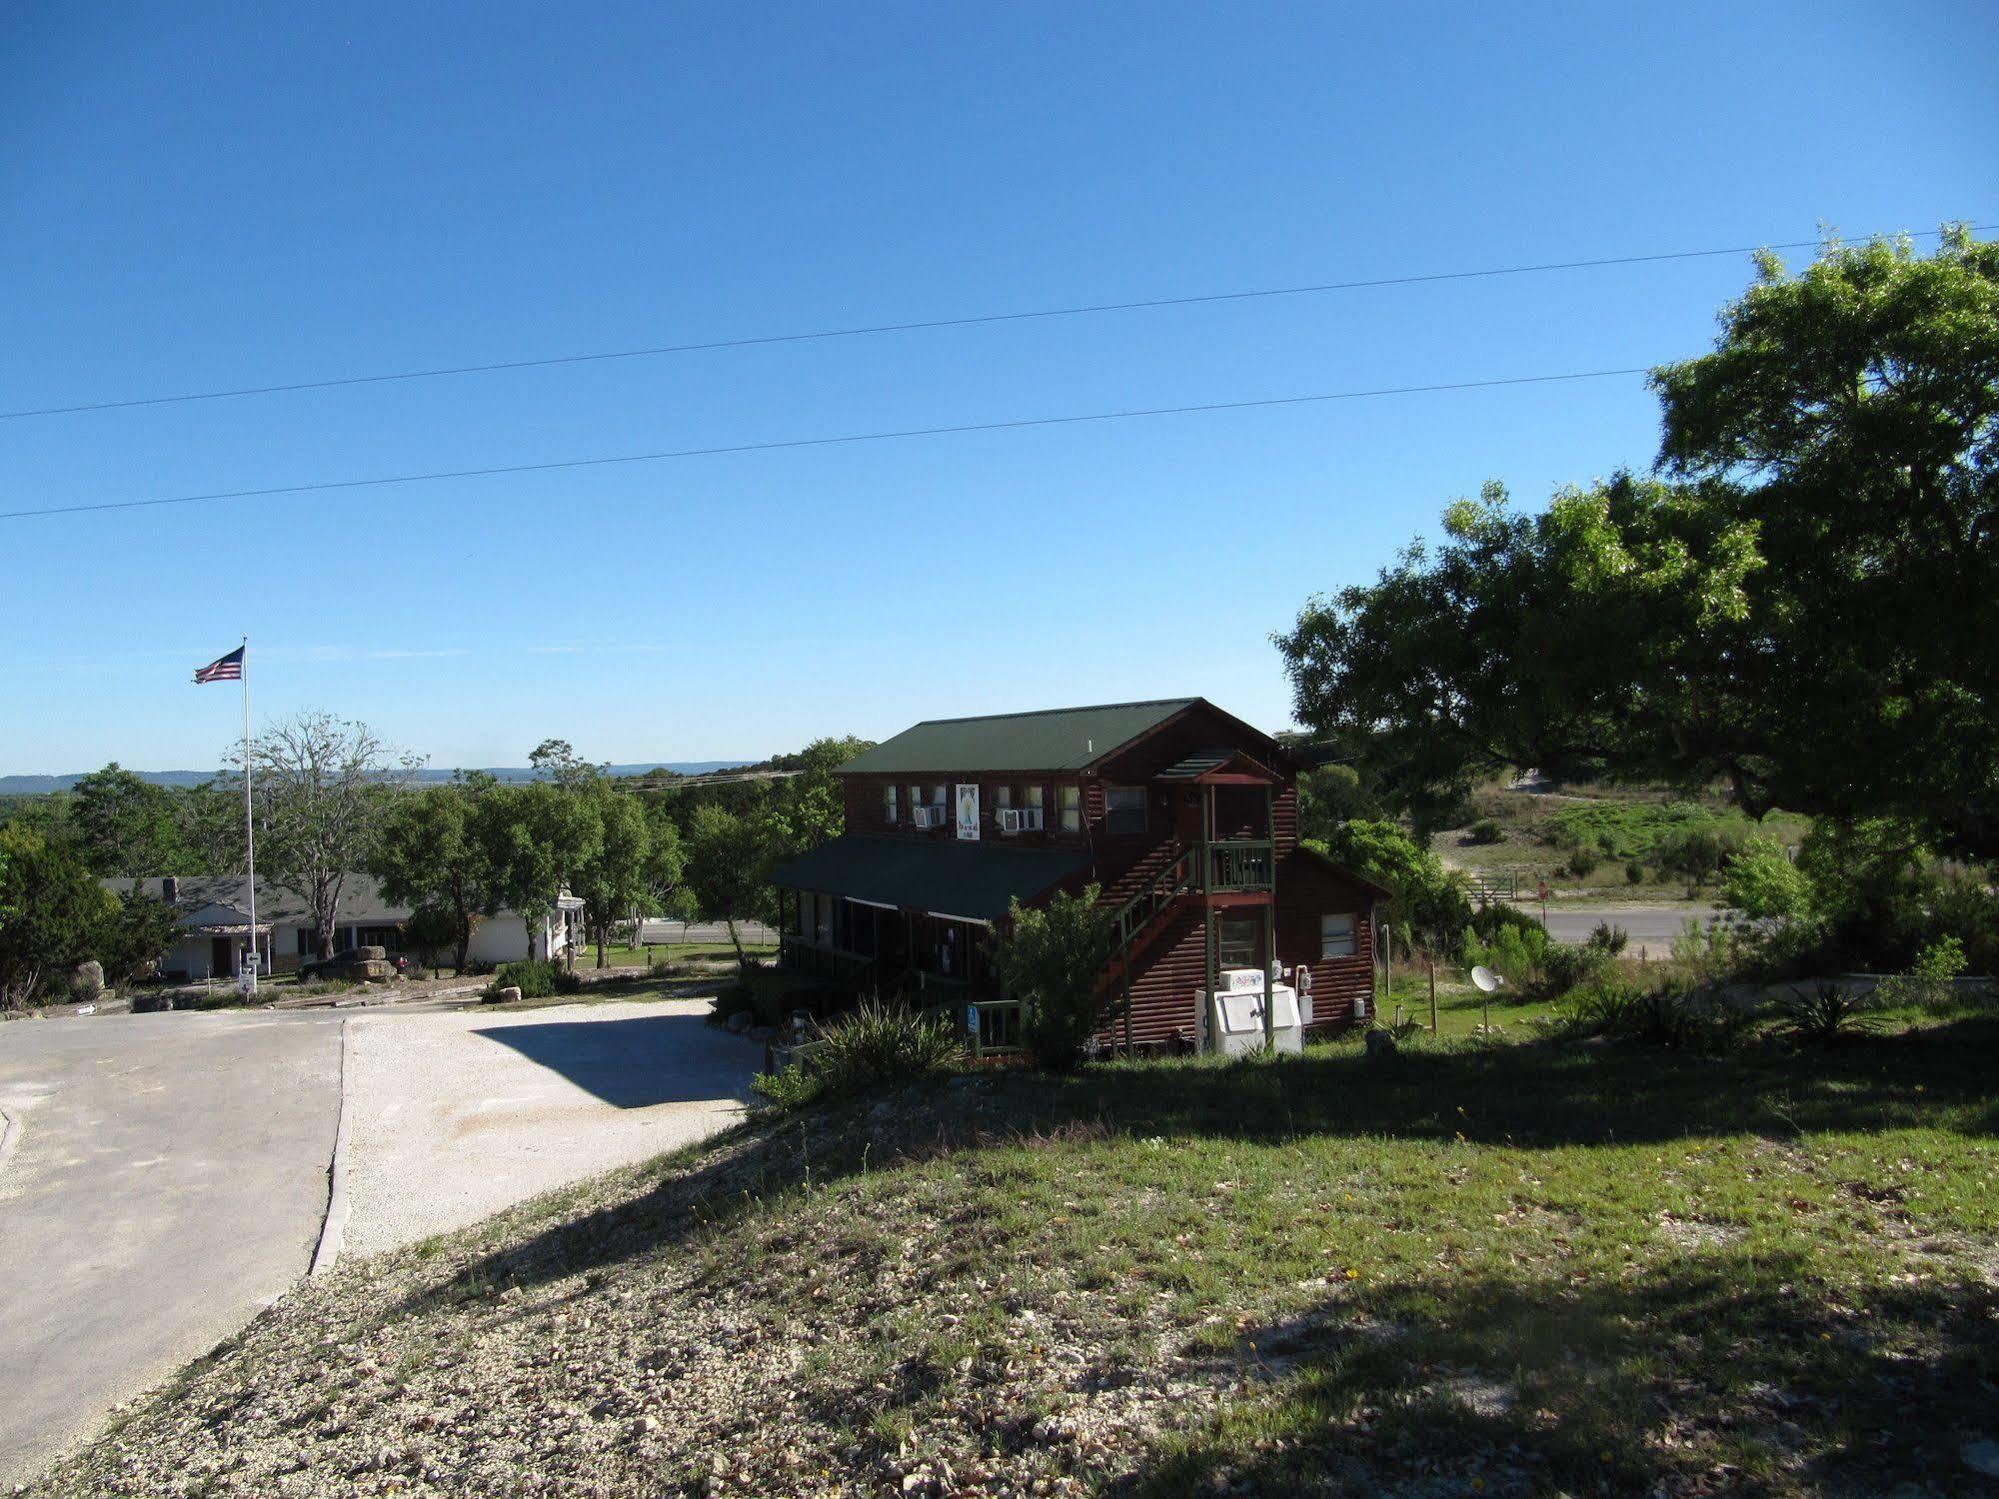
1802 600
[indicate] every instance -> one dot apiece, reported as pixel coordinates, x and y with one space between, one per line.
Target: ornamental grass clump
877 1044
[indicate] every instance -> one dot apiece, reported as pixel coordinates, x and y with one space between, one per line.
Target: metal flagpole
249 819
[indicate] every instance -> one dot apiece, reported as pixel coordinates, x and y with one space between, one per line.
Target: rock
1380 1044
511 995
87 982
740 1021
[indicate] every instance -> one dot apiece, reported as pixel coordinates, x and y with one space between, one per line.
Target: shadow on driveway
633 1064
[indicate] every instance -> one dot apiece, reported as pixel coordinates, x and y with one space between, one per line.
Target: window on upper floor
915 797
936 796
1336 936
888 803
1124 809
1070 800
1002 797
1033 797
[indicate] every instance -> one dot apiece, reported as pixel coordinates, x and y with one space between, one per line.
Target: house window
1070 799
1336 936
888 803
1033 798
1002 797
1124 809
1236 941
936 796
915 798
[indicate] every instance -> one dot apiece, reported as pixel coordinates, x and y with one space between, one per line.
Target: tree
1801 605
53 915
320 786
1427 904
729 858
208 820
618 874
1764 885
429 855
1050 960
125 825
538 836
139 933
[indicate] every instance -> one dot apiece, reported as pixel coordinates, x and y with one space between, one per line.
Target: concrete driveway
167 1176
453 1117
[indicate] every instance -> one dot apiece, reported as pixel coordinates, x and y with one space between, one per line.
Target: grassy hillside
1477 1267
1591 840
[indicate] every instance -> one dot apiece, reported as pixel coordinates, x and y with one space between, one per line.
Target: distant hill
41 785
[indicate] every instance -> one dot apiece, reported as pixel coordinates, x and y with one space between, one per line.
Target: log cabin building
1184 816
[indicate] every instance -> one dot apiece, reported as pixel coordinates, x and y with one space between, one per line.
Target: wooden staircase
1144 902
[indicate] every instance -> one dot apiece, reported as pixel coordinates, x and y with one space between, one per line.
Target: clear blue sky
201 196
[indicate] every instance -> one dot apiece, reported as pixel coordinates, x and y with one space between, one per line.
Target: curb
334 1227
10 1135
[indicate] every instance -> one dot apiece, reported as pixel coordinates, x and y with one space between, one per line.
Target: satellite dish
1486 981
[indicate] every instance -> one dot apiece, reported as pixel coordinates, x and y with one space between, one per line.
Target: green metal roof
954 878
1054 739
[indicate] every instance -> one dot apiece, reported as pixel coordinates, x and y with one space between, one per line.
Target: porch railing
1237 864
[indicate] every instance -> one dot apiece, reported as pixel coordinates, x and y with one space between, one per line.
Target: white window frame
1066 810
1329 935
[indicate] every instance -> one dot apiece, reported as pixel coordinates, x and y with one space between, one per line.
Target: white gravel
454 1117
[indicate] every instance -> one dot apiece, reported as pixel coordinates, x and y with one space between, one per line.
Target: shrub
790 1087
1049 961
1711 955
877 1043
1827 1015
1485 831
1634 873
1565 968
1583 863
1928 981
536 978
1675 1015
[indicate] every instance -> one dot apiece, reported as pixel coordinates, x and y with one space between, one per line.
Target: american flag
227 668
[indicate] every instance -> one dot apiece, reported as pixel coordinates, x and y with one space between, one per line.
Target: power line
325 485
871 330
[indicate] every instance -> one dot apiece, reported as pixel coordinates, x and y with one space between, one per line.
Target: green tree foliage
1803 606
1764 885
1331 795
539 837
1428 906
616 877
729 859
1050 959
432 853
209 820
53 915
140 932
124 825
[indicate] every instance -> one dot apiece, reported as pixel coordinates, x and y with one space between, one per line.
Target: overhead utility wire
870 330
812 442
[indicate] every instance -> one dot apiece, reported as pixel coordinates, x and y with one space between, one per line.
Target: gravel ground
558 1094
613 1340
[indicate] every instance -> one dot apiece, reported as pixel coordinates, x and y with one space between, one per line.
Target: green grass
671 952
1477 1266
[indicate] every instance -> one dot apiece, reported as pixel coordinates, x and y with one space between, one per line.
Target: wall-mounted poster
968 811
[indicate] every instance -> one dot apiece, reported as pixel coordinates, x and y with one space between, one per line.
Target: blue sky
195 197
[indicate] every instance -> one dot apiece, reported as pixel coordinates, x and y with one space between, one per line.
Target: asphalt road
657 930
167 1175
1650 927
166 1180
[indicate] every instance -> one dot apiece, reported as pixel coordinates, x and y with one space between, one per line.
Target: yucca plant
1827 1015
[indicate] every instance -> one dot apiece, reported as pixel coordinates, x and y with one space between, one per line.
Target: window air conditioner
927 817
1030 819
1009 819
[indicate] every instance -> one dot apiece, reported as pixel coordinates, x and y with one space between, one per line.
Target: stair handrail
1126 924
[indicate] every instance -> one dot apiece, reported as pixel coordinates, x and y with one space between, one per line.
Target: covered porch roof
973 881
1219 767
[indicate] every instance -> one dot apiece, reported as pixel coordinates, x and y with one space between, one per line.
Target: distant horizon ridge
32 785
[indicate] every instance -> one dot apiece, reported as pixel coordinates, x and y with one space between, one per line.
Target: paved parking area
166 1180
168 1175
455 1117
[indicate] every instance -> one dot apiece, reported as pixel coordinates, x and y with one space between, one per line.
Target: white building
215 921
